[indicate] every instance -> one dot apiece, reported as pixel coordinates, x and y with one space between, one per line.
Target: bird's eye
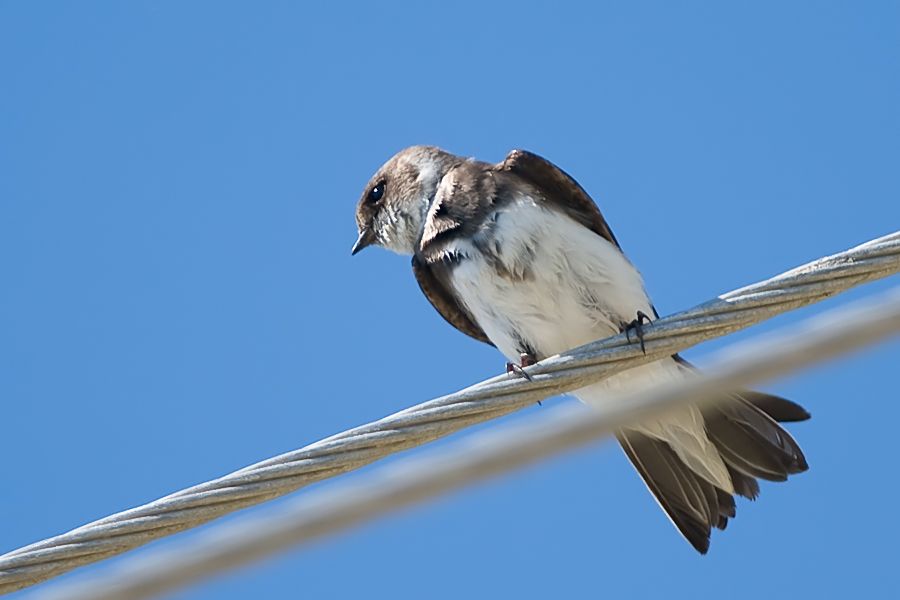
376 192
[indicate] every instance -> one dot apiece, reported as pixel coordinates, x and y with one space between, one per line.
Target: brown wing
465 196
558 187
445 303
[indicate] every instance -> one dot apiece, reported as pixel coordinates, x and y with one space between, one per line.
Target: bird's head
392 209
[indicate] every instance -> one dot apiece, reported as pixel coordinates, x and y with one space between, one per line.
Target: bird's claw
638 326
525 360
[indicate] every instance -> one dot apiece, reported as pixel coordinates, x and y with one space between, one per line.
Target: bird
517 255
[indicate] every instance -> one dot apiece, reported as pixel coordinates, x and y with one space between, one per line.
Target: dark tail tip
780 409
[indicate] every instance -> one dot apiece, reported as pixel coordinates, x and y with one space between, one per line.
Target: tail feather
726 505
751 444
780 409
744 485
691 502
727 508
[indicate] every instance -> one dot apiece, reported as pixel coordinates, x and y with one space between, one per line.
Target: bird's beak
365 239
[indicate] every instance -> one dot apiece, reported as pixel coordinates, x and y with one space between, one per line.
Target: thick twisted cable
422 423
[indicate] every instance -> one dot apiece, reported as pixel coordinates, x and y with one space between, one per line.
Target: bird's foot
525 360
638 326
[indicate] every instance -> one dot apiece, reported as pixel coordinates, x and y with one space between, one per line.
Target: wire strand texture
442 416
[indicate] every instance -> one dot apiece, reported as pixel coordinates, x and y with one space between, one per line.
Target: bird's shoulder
465 196
557 188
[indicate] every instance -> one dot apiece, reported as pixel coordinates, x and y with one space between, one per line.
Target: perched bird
517 255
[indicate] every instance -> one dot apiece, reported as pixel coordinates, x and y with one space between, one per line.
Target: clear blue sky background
177 182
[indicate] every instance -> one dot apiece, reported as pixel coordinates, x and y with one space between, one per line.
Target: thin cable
422 423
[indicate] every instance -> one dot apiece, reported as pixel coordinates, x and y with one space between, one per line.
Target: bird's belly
526 316
548 285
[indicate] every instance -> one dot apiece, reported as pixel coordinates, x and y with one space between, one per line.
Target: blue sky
178 301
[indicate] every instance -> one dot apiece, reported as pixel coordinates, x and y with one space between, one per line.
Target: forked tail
744 429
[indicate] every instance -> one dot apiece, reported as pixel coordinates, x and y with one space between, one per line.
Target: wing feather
445 302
